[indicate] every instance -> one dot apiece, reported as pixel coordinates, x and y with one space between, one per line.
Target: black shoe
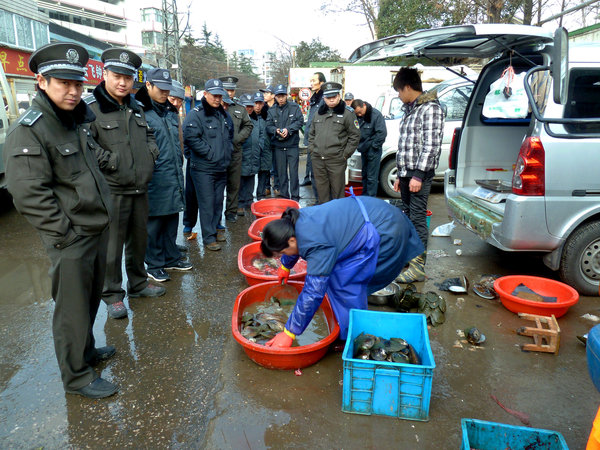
102 354
180 266
116 310
99 388
158 275
305 183
231 218
149 291
182 248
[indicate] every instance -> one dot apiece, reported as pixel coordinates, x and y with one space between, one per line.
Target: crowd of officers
102 177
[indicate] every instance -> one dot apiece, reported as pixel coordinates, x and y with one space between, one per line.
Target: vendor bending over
353 247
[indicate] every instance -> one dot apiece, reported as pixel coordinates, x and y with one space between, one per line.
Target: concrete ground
185 382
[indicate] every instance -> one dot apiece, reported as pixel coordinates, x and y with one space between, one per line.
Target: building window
152 39
40 33
24 34
7 29
151 15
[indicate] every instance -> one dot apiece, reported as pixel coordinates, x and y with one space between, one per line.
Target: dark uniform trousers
190 212
247 191
77 274
287 158
370 171
162 250
264 183
234 176
128 227
210 191
329 176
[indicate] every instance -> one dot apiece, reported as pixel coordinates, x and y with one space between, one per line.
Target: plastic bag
444 230
507 98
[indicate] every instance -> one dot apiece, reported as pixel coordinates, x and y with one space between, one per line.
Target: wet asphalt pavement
185 382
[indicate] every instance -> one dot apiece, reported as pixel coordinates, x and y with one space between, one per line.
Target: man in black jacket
126 156
372 136
284 121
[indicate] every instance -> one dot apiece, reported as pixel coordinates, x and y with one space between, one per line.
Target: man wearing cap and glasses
283 125
242 127
208 141
165 190
333 137
54 179
126 157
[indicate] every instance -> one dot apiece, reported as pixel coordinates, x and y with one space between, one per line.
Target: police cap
268 89
177 90
280 89
65 60
331 89
258 97
160 78
247 100
121 60
227 99
348 96
229 82
215 87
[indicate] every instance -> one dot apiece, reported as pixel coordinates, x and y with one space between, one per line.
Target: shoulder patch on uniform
30 117
90 99
348 108
139 103
356 124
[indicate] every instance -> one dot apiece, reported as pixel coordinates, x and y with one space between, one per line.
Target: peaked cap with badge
331 89
268 89
215 87
64 60
229 82
280 89
120 60
259 97
160 78
246 100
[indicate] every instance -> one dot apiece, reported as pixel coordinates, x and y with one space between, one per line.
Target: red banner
15 62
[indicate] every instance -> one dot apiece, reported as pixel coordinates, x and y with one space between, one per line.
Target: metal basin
383 296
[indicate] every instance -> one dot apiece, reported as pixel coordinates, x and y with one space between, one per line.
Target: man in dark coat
372 136
261 111
333 137
208 137
252 150
54 179
283 126
126 156
165 191
316 100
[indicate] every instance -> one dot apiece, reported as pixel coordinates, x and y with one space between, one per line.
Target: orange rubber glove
281 340
283 273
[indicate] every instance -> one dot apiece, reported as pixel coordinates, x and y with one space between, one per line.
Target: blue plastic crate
386 388
484 435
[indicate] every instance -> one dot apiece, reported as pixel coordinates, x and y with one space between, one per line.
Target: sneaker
221 235
99 388
231 218
241 212
180 265
149 291
116 310
158 275
213 246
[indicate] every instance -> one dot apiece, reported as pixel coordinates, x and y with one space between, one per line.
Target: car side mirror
560 65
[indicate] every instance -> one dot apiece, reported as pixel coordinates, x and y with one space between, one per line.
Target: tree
314 51
367 8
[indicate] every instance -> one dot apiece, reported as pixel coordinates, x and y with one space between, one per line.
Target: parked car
453 96
526 180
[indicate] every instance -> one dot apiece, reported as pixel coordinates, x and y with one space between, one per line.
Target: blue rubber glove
281 340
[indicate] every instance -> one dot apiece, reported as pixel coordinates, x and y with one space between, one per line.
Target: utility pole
171 48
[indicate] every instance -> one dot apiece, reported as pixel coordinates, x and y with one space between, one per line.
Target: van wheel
580 261
387 176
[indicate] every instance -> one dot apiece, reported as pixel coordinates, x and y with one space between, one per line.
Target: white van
527 179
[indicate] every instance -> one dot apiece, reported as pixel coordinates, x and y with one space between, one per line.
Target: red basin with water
258 225
253 276
272 206
281 358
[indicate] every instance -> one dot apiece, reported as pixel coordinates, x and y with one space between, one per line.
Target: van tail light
529 175
453 148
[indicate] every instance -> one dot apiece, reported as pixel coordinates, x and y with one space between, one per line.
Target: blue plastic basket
484 435
386 388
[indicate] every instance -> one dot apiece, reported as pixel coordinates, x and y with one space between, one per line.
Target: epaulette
30 117
90 99
139 103
349 108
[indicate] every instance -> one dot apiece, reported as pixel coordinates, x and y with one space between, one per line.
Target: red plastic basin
281 358
258 225
565 295
357 188
248 252
272 206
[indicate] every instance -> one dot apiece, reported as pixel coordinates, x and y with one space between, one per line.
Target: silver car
453 96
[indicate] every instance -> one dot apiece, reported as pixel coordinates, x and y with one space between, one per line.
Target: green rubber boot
414 272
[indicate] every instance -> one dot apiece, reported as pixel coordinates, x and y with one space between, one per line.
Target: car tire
580 260
387 173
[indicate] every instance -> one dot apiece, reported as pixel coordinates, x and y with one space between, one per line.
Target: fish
364 342
394 349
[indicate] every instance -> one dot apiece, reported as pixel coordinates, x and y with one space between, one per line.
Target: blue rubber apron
353 270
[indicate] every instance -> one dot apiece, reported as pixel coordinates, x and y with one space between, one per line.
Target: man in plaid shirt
421 130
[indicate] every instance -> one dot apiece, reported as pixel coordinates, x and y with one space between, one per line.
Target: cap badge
166 75
230 80
72 56
124 57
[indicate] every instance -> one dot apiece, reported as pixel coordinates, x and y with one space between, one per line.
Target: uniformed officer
126 156
242 127
348 98
333 137
54 178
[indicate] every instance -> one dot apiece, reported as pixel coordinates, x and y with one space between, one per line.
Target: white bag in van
507 98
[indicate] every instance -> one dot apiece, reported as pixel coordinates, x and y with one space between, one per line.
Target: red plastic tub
357 188
258 225
565 295
272 206
247 254
281 358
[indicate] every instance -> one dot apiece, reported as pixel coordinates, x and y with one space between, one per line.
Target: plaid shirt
421 131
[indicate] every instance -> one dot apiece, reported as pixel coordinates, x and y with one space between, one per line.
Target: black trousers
210 190
414 205
286 164
162 250
77 274
264 182
329 177
246 191
370 171
234 178
190 212
128 229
